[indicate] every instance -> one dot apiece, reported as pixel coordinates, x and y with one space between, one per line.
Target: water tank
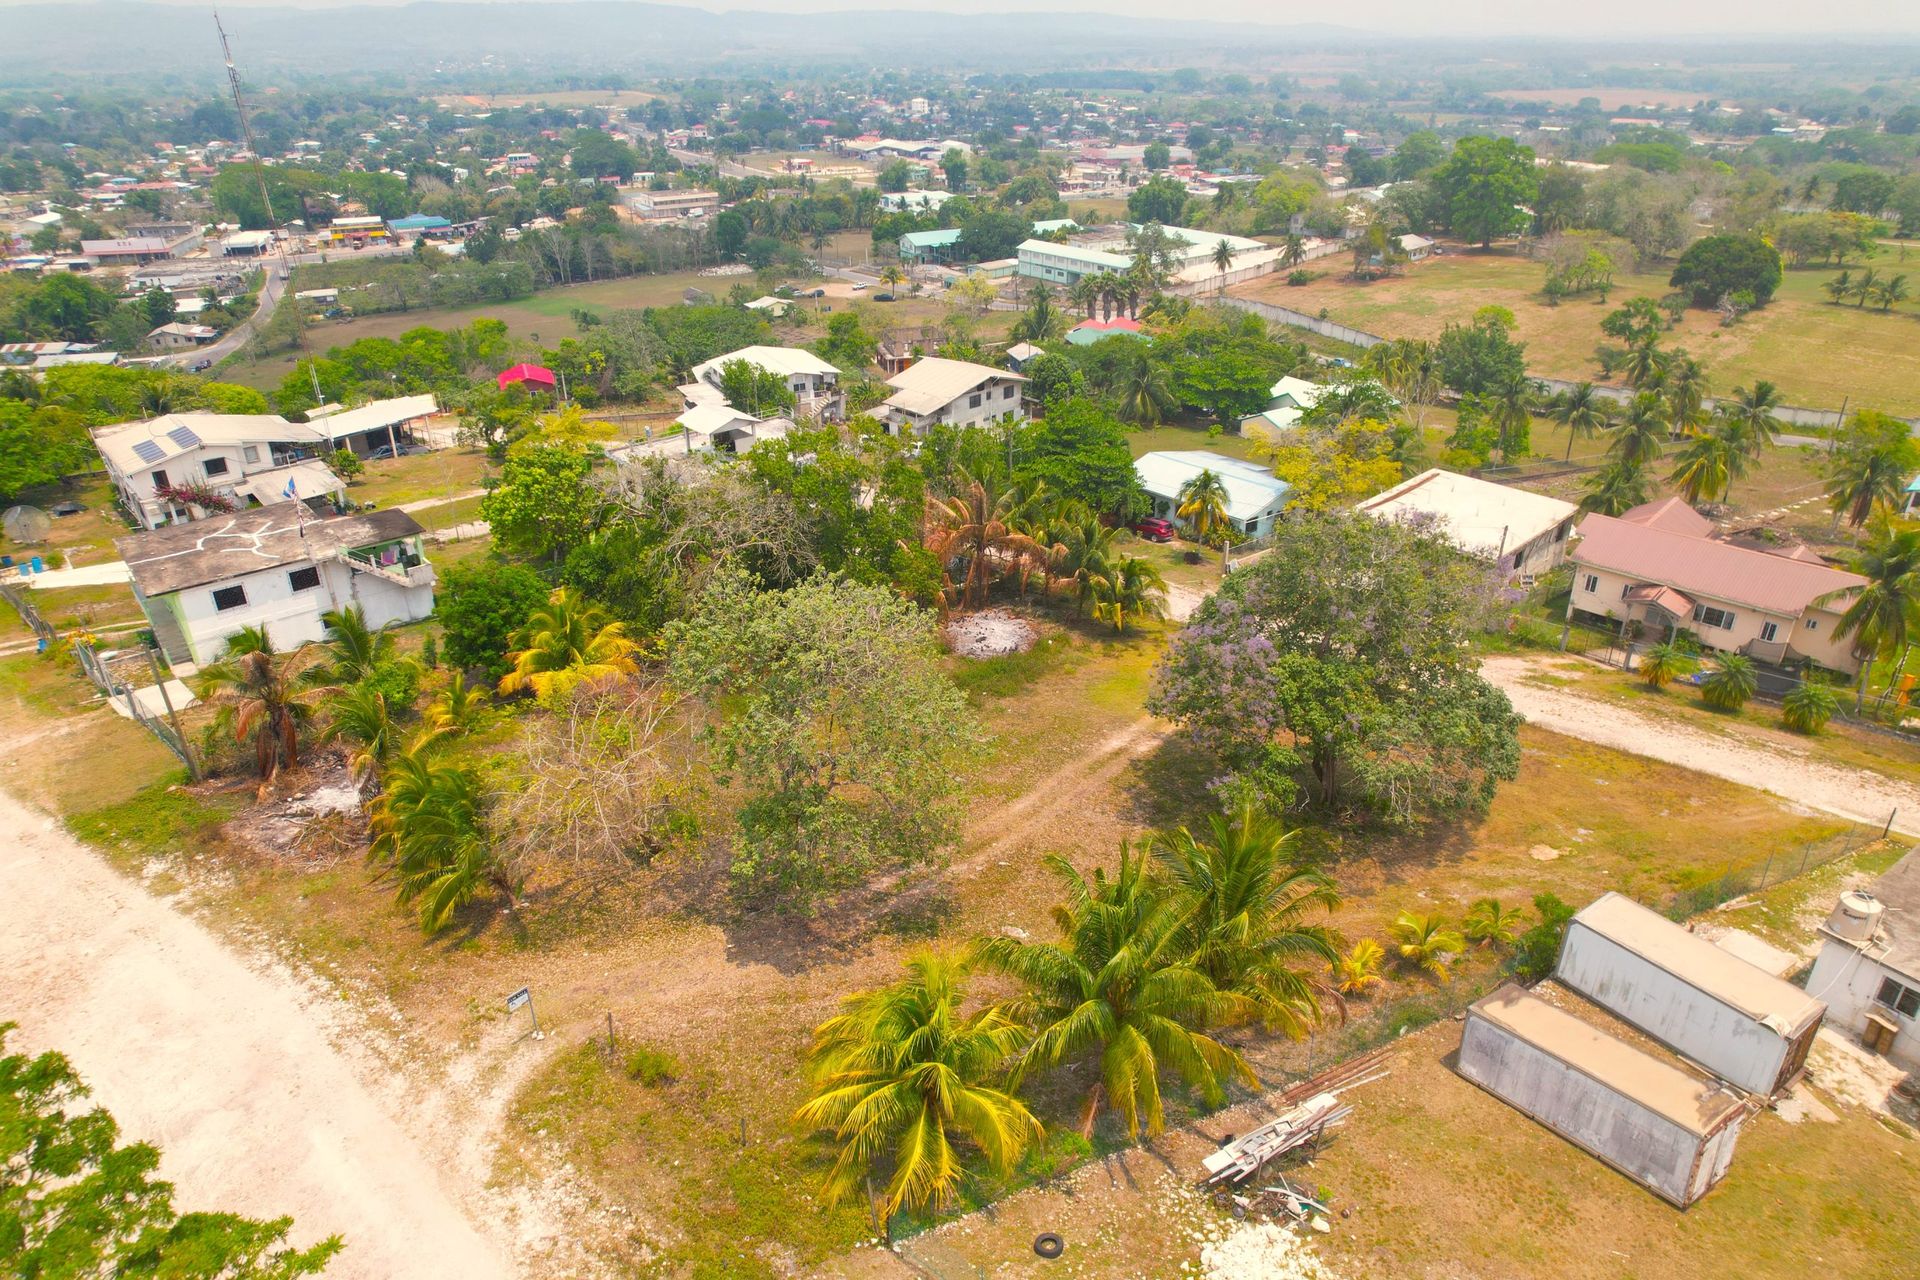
1856 917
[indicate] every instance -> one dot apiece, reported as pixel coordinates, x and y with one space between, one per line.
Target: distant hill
115 38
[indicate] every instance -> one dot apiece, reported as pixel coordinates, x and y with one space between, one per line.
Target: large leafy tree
1080 452
901 1073
830 707
1120 986
1480 355
479 607
1482 182
75 1202
1341 661
543 505
1714 267
1248 911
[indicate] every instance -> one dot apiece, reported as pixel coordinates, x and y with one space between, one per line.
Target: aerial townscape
927 644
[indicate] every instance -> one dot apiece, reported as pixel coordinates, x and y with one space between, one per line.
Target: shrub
430 653
480 607
1538 949
651 1067
1731 684
398 681
1358 972
1665 663
1299 277
1808 708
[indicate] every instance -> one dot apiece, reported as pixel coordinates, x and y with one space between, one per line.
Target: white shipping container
1738 1021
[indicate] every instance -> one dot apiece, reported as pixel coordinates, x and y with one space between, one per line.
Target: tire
1049 1245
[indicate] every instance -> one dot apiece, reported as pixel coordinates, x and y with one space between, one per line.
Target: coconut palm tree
1889 291
1661 665
1615 488
1881 614
1731 682
1865 285
1041 321
1686 388
428 834
1132 588
358 713
983 529
1584 410
1143 392
1222 261
892 275
1840 288
900 1073
165 393
1293 250
352 650
1119 988
565 641
1084 294
1865 475
456 708
1643 429
1358 972
264 698
1510 403
1751 412
1643 365
1203 507
1489 924
1246 906
1424 942
1087 553
1708 464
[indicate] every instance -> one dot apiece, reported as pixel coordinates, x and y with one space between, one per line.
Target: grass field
1817 353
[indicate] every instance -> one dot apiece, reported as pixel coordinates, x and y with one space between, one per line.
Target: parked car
1154 529
200 366
859 285
883 297
814 293
381 454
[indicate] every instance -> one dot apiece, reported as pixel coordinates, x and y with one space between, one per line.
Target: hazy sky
1830 18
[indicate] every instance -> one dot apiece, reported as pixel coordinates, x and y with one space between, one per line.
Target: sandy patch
991 633
1260 1251
1852 1075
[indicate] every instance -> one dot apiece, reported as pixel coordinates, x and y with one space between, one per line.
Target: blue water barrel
38 565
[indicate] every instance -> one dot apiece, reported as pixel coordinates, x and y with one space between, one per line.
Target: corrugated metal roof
1672 514
1478 516
1779 584
1698 963
929 385
378 415
1252 490
119 444
786 362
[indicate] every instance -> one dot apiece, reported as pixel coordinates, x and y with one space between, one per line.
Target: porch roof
1673 602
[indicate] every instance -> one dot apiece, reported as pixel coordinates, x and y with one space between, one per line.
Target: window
1560 532
1811 624
1769 630
216 466
1902 999
973 402
159 479
304 579
1008 394
1592 584
1708 616
251 453
226 598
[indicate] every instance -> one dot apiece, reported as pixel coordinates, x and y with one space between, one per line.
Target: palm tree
1132 588
260 694
1616 488
1488 923
1808 707
358 713
1424 942
1293 250
1882 613
1732 681
1084 294
981 528
456 708
1087 553
1245 906
1222 261
565 641
1041 321
1864 476
1143 391
900 1070
1889 291
1642 432
1584 410
163 394
1358 972
1118 986
1643 365
353 650
891 275
1203 508
428 834
1661 665
1686 387
1751 412
1510 404
1708 464
1840 287
1864 286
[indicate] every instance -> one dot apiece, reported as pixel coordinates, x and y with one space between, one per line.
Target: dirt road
1848 793
223 1063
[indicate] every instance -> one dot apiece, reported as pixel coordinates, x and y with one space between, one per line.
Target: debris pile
991 633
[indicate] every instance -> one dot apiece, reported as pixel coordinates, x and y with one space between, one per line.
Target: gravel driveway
1847 793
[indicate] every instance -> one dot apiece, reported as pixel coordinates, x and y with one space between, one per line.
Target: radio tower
266 200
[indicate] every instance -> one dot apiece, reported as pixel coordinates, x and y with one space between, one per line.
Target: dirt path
1847 793
224 1064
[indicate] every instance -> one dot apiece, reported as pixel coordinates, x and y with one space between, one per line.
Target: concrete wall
1848 981
191 469
1640 1143
1717 1036
998 398
1813 634
292 618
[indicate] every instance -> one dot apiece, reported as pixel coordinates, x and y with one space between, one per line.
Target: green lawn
1817 353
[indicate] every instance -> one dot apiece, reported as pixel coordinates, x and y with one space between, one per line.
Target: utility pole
173 716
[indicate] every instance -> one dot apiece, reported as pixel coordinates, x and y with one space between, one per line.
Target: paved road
223 1061
272 291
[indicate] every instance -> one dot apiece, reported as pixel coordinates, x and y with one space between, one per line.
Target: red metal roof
1708 567
527 373
1671 514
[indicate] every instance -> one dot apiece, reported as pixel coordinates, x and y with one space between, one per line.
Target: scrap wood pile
1309 1109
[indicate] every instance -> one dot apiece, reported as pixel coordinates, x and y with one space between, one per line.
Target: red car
1154 529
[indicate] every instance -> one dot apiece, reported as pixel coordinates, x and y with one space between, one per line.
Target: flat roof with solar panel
184 437
135 446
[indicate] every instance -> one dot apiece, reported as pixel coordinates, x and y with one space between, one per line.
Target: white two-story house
955 392
814 382
1660 567
278 567
157 465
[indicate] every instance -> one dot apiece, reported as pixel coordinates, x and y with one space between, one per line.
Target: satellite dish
27 525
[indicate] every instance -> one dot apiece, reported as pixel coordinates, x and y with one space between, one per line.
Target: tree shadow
1168 787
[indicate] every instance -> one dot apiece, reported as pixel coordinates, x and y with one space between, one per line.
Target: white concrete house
815 383
1521 531
1255 496
1292 397
955 392
151 462
1868 969
278 567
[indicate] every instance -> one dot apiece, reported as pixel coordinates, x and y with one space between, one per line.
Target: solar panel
149 451
184 437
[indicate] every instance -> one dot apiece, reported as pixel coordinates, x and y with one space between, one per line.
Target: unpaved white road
221 1062
1752 761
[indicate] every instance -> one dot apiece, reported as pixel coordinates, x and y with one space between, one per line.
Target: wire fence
28 614
1776 868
